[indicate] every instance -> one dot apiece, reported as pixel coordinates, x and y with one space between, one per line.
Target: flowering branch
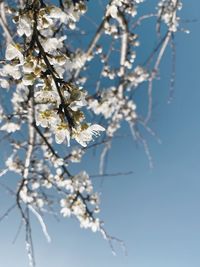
45 77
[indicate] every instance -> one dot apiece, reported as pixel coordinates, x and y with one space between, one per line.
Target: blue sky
155 212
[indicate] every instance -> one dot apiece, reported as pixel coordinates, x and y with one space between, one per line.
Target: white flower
95 199
40 202
47 118
13 52
28 79
62 132
47 184
29 66
77 62
83 136
81 102
35 185
10 127
85 222
11 70
12 164
24 195
78 208
95 225
76 155
24 26
4 83
52 44
65 211
46 96
68 185
44 22
58 162
57 13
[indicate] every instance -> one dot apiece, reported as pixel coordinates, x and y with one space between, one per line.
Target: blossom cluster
167 12
44 66
115 108
80 197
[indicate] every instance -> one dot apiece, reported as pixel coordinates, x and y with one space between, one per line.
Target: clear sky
155 212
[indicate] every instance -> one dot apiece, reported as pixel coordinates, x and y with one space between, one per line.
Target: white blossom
12 70
4 84
13 52
24 26
52 44
61 133
47 96
10 127
47 118
84 136
25 195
